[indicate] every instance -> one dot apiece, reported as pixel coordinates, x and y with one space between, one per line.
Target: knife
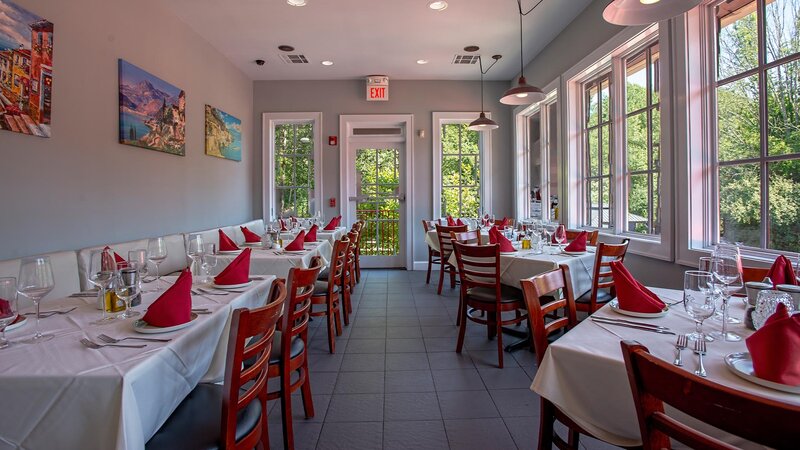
630 322
638 327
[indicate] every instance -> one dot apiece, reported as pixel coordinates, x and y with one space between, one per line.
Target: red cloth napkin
226 244
174 306
237 272
632 295
775 348
119 260
495 237
579 244
503 223
249 236
459 223
311 236
331 225
283 224
338 220
450 221
5 307
297 243
782 272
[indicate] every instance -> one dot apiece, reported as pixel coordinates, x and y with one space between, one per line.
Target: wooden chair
467 237
754 274
479 269
655 382
348 281
232 415
290 353
359 228
445 250
602 282
591 238
433 255
327 293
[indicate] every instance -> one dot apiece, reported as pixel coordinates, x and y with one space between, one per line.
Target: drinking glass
139 256
126 286
34 282
157 253
698 300
102 267
549 230
727 269
561 236
209 260
8 306
195 253
767 304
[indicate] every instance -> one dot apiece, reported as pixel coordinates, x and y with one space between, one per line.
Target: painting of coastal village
26 71
223 134
152 112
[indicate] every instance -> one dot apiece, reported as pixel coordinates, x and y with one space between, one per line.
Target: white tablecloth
433 240
277 262
60 394
322 235
583 372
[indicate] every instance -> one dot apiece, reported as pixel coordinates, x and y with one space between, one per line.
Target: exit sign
377 88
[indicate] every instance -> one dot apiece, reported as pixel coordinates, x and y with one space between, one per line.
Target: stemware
698 300
209 260
560 236
549 230
102 267
126 286
139 256
195 252
727 269
157 253
8 306
34 282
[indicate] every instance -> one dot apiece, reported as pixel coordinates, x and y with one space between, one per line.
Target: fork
46 314
95 345
110 340
700 350
201 292
680 345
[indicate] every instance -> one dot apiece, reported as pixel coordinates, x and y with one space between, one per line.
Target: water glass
102 267
727 269
34 282
549 230
195 252
139 256
767 304
698 300
8 306
560 236
126 286
157 253
209 260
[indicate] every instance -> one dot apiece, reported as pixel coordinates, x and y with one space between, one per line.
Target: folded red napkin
632 295
311 236
293 219
331 225
249 236
226 244
5 307
174 306
579 244
297 243
283 224
775 348
496 237
782 272
459 223
503 223
338 220
119 260
450 221
237 272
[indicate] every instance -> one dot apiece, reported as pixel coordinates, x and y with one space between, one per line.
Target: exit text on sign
377 93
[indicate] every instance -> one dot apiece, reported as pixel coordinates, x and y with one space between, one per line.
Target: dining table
322 235
62 394
583 372
277 261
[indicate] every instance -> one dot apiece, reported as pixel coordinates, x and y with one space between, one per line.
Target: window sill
647 246
752 257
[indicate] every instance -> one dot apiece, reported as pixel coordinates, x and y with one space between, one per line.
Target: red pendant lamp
523 93
483 123
645 12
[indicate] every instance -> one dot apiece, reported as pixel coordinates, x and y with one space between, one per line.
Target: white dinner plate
18 322
614 304
741 365
295 252
230 252
231 286
253 244
509 253
573 253
140 326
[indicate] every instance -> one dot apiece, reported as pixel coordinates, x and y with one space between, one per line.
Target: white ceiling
374 37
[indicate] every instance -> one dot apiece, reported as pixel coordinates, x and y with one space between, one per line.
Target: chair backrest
602 278
591 236
478 266
429 224
467 237
337 265
655 382
445 240
247 384
351 256
298 305
535 290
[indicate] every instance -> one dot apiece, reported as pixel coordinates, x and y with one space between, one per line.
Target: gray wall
81 187
420 98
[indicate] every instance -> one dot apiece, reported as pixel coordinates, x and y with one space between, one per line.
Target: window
597 152
292 166
461 162
758 123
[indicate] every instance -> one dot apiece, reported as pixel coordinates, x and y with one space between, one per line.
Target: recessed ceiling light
422 61
649 2
286 48
439 5
471 48
327 63
296 2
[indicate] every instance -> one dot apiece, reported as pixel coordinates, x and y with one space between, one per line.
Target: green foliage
461 171
379 178
294 169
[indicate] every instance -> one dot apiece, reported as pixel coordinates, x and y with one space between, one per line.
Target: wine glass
157 253
126 286
102 266
8 306
34 282
698 300
560 236
139 256
549 230
727 269
209 260
195 252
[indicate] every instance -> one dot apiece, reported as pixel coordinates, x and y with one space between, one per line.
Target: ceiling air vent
465 59
294 59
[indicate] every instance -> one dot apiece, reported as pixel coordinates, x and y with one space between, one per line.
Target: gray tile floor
396 381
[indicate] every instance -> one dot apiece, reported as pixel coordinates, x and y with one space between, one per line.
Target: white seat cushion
176 256
121 249
65 273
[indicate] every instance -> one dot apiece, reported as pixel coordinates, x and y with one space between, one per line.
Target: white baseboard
420 265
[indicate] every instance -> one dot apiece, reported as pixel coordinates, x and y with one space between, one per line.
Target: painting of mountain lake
223 134
152 112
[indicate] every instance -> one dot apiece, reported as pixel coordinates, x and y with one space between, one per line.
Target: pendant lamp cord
521 15
484 72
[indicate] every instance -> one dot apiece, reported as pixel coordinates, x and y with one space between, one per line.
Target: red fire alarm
332 202
332 140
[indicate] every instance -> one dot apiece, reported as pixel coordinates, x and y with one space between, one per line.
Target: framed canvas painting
223 134
152 112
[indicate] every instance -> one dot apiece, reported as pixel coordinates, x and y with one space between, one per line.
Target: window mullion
763 118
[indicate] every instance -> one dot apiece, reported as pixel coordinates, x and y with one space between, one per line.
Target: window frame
485 155
269 121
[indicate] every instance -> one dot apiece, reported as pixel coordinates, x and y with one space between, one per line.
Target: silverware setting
660 330
88 294
110 340
682 343
632 322
46 314
95 345
199 292
201 311
700 351
221 291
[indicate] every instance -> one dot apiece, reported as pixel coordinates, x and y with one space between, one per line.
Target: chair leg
490 330
430 263
460 307
499 341
452 278
358 267
331 338
286 412
441 279
345 307
462 328
305 390
546 419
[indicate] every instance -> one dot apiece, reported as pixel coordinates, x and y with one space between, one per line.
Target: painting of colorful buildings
26 71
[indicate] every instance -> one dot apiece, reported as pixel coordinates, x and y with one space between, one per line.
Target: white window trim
269 121
485 145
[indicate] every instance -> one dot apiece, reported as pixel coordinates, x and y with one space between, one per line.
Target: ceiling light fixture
422 61
483 123
286 48
645 12
439 5
296 2
327 63
523 93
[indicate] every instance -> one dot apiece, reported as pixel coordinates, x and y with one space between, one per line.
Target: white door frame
406 121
